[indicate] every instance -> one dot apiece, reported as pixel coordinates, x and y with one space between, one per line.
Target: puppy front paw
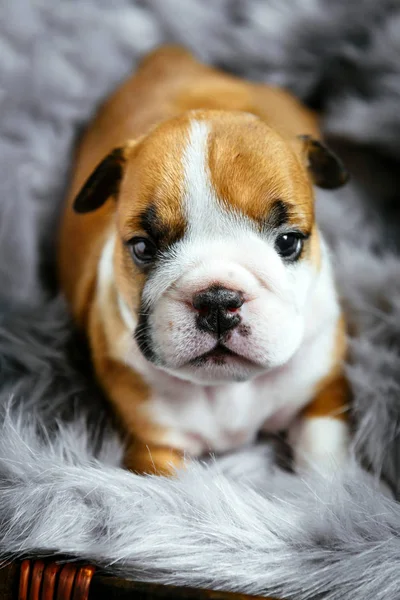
147 459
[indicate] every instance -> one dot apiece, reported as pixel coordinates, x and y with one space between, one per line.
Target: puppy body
218 336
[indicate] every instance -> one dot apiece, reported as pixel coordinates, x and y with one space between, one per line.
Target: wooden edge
54 580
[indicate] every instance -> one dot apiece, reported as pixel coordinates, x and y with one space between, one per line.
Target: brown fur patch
312 248
331 401
154 178
252 167
152 460
333 393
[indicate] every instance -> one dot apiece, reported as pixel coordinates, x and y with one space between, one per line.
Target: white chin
211 372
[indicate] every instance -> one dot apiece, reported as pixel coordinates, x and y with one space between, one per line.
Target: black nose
218 309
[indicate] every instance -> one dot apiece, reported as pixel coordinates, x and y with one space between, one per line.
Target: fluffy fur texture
241 523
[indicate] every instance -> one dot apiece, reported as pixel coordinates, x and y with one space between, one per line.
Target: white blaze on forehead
200 201
204 213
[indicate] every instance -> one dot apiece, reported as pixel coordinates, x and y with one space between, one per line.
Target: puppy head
216 247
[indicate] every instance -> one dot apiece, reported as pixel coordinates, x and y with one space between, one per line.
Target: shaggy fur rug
240 523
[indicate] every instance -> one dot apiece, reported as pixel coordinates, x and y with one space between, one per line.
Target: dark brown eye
289 245
143 251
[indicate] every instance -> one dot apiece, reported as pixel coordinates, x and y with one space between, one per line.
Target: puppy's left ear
326 169
102 184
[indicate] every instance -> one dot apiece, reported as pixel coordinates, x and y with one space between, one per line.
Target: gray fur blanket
239 523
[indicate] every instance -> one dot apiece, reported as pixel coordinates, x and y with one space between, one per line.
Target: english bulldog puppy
190 257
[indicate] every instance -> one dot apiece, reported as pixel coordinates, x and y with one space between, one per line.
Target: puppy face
216 248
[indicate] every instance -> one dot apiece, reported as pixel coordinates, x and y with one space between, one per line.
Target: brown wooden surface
50 580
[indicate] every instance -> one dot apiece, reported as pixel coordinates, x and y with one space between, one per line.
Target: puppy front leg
319 437
128 393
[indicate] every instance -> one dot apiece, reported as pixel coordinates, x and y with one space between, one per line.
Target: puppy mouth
219 355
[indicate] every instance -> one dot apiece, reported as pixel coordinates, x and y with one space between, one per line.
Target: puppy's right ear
102 183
